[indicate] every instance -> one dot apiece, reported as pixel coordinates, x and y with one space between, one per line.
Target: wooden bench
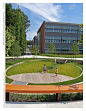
58 89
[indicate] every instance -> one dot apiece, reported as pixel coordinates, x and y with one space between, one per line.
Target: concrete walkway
64 104
40 78
33 56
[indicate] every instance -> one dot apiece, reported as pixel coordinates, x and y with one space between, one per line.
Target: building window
57 30
69 31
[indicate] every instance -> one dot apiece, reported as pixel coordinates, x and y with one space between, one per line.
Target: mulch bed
44 97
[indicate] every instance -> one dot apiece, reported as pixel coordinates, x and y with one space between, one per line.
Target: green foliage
75 48
52 48
61 55
35 49
18 23
29 42
16 49
9 41
81 41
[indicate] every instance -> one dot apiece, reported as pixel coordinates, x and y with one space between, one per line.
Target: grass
8 80
68 70
63 55
29 67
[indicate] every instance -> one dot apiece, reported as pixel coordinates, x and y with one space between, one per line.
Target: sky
56 12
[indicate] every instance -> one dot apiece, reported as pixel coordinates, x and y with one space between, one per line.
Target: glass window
69 31
49 29
57 26
69 27
48 26
57 30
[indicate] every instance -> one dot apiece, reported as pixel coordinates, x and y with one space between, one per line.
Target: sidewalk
62 104
33 56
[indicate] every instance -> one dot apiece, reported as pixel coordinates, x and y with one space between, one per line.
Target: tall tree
9 41
18 22
16 49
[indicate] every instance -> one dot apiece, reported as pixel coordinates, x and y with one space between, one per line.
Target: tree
81 41
18 22
29 42
9 41
35 49
75 48
52 48
16 49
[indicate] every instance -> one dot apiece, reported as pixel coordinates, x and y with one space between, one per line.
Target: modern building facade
34 41
61 34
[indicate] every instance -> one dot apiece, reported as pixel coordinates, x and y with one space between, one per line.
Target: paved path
64 104
33 56
40 78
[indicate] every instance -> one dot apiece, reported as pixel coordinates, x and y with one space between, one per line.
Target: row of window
63 27
59 48
63 30
63 38
52 37
52 30
59 41
65 51
69 31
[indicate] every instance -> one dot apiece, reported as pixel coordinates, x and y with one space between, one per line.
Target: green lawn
63 55
29 67
68 70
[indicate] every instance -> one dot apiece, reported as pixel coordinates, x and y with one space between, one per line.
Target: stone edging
10 67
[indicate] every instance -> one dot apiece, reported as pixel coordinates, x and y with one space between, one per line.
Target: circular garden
72 69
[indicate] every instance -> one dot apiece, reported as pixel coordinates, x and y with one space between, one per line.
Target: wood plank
71 88
32 88
44 88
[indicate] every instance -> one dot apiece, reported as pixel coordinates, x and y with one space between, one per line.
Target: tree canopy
81 41
52 48
17 23
75 48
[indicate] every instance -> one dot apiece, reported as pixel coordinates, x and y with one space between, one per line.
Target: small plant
71 94
11 96
22 96
77 96
12 99
27 98
31 96
16 98
37 97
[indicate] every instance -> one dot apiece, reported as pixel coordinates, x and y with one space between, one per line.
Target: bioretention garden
73 68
